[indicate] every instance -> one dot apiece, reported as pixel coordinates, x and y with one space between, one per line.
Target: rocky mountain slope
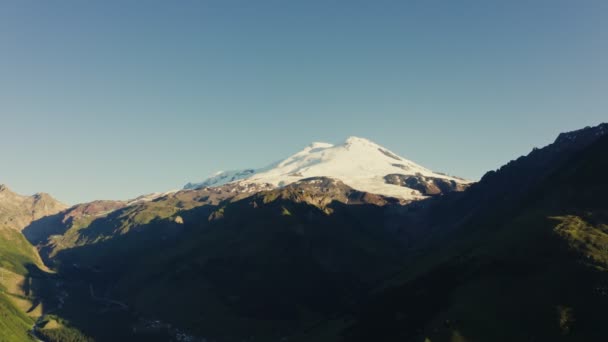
314 236
234 249
17 211
18 259
521 256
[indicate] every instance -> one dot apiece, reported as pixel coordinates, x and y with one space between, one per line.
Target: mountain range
345 242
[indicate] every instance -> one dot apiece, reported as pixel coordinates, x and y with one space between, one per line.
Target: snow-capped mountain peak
318 144
358 162
352 140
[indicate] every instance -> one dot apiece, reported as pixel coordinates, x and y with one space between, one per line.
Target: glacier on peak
358 162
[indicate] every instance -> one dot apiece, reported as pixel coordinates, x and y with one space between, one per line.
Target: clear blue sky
112 99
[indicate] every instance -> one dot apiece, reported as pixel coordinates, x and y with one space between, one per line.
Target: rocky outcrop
428 186
322 191
18 211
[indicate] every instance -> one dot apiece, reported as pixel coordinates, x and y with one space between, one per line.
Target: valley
305 250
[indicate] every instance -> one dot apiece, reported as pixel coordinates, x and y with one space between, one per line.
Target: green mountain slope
17 258
14 324
521 255
90 223
267 265
531 269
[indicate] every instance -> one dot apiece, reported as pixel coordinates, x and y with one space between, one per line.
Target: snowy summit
358 162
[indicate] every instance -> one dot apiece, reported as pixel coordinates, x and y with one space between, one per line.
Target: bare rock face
95 208
322 191
18 211
428 186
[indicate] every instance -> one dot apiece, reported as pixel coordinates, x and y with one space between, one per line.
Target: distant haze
114 99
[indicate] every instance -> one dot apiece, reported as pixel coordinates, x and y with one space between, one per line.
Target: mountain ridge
318 258
17 211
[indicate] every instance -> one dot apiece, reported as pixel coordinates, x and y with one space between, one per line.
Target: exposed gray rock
428 186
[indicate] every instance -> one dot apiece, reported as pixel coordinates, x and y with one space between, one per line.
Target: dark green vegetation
238 263
55 329
530 266
521 255
63 335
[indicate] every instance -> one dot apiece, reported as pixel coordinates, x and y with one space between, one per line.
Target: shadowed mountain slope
521 255
526 263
